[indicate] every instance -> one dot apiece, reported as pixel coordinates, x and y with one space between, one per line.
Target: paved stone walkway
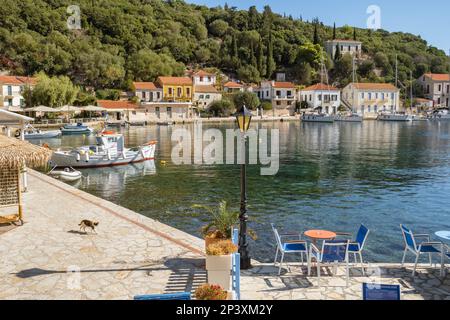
48 258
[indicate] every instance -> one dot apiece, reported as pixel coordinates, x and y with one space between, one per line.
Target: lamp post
243 117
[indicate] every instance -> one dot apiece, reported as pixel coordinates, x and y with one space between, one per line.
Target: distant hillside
122 40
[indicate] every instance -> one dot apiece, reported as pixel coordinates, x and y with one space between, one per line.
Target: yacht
317 117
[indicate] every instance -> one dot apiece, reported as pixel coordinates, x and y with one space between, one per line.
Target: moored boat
317 117
78 128
31 133
441 114
109 151
350 117
394 117
66 174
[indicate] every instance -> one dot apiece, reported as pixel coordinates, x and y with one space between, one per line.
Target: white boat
351 117
66 174
109 151
317 117
416 117
394 117
78 128
31 133
441 114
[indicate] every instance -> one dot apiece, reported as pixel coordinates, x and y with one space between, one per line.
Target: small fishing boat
109 151
31 133
165 123
394 117
67 174
78 128
349 117
318 117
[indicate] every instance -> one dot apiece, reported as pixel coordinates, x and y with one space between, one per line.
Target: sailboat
395 116
350 116
319 116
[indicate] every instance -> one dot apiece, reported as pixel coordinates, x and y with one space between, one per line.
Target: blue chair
289 246
381 292
166 296
446 254
333 252
426 247
356 247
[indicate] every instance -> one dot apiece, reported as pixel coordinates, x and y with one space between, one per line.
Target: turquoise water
331 176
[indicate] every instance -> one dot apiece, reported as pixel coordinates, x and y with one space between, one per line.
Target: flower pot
211 240
219 270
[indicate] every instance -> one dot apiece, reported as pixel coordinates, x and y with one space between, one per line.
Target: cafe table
318 235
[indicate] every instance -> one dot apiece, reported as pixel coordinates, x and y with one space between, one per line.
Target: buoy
163 162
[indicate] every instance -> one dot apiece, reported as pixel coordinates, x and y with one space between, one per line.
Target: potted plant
210 292
221 225
219 262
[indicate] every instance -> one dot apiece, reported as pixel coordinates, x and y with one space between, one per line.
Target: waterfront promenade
48 258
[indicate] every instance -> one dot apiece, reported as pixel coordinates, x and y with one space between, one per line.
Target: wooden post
19 196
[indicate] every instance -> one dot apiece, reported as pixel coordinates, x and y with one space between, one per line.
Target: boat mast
411 91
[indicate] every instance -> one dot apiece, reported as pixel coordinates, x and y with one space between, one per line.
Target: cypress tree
260 59
354 34
271 66
337 54
316 35
334 31
252 56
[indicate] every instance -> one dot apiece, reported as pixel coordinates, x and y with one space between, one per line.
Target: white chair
296 245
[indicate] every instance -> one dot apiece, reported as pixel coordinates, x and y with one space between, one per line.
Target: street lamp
243 118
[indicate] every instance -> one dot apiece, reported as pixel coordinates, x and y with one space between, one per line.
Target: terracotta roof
144 86
111 104
438 76
206 89
17 80
320 86
232 84
279 84
375 86
203 73
175 80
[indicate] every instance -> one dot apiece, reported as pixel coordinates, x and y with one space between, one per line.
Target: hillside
122 40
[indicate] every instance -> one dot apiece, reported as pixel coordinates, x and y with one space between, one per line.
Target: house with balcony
370 99
12 88
321 97
203 78
352 47
204 95
176 89
282 95
233 87
147 92
436 87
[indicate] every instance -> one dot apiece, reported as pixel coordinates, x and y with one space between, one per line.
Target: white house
436 87
204 95
12 88
203 78
345 46
232 87
147 92
323 96
281 94
369 99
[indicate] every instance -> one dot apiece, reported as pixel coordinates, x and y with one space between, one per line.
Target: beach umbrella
43 109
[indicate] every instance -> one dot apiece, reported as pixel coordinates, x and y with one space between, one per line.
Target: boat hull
43 135
75 131
349 119
315 118
80 161
394 118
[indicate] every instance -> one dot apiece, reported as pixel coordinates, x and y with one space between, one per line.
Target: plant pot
211 240
219 270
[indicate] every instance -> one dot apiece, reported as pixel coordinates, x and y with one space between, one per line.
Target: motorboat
78 128
440 114
109 151
317 117
394 117
32 133
349 117
67 174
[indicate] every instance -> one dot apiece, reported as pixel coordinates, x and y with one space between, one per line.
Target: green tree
271 66
247 99
218 27
334 31
53 91
147 65
248 73
221 108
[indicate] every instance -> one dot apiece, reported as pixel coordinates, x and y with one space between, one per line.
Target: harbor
49 258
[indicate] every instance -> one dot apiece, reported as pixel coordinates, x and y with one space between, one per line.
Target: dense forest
125 40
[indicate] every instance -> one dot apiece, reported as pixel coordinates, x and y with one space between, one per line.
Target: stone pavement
48 258
262 282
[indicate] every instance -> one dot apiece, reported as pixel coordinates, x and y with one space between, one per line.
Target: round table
316 235
443 235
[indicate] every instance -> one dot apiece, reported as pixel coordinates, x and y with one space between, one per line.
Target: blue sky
429 19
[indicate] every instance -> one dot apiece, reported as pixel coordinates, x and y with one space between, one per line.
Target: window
157 112
10 102
320 97
439 101
375 109
201 96
278 93
207 96
428 89
439 88
362 95
143 95
169 112
310 97
376 95
370 95
170 91
290 103
448 88
201 79
188 92
289 93
278 103
133 113
9 90
158 95
368 108
393 96
179 92
22 102
382 96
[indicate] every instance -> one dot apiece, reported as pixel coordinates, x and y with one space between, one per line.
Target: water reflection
332 176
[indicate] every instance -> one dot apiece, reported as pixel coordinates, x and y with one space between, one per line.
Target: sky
429 19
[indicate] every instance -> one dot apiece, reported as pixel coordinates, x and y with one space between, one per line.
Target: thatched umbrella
14 155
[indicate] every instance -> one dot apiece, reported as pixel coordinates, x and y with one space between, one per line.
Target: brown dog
88 224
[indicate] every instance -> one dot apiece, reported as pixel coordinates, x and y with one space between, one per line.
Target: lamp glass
244 118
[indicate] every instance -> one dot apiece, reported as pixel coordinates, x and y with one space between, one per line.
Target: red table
316 235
